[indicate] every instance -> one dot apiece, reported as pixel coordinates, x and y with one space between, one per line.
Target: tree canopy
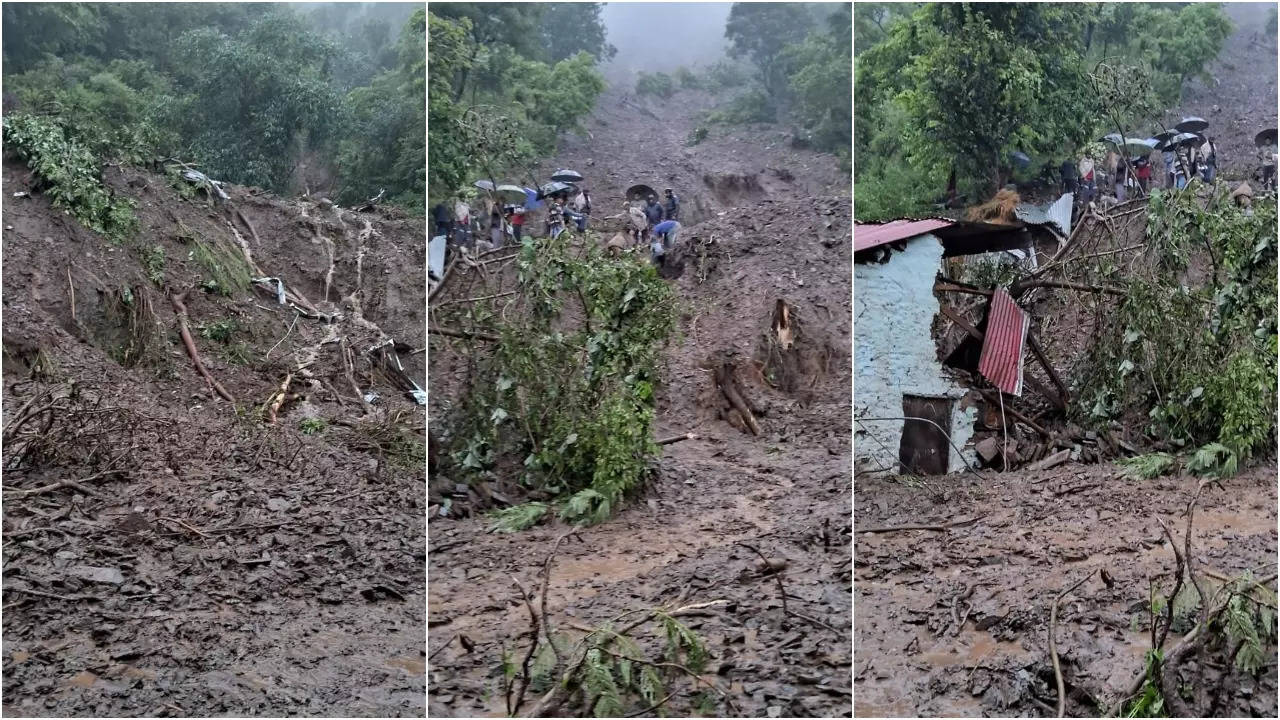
959 86
258 95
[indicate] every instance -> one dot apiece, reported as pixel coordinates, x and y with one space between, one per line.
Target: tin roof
1057 213
866 236
1001 360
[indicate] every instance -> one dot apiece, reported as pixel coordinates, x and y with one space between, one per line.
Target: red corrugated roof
869 236
1001 360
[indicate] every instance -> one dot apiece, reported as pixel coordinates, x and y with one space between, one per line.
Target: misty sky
662 36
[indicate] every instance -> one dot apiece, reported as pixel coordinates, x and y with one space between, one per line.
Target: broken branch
1053 643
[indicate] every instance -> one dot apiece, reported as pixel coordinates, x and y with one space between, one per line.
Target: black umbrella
1266 137
569 176
1191 124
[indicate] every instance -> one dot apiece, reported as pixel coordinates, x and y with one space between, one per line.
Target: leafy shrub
697 135
70 174
688 79
225 270
1200 363
726 75
517 517
752 106
312 426
572 398
659 84
1145 467
220 331
153 263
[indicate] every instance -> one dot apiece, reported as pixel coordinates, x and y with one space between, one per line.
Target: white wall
894 353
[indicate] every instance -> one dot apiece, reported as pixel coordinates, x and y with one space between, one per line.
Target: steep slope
209 561
777 231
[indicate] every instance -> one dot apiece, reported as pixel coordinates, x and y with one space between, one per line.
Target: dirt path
786 492
1036 534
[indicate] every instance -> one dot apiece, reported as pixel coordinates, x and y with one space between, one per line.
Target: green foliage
683 645
312 426
725 75
224 270
820 77
221 331
573 401
1149 703
569 28
1146 467
496 104
69 174
697 135
688 79
752 106
517 517
761 32
1200 362
153 264
659 84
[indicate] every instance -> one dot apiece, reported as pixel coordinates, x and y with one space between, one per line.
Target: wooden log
727 384
1048 368
181 311
1053 460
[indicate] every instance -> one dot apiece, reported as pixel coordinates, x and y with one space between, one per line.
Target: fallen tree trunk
728 386
181 311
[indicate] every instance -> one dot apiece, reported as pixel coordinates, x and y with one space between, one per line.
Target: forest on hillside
507 79
958 87
314 98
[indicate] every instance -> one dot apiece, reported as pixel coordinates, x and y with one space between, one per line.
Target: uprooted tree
561 375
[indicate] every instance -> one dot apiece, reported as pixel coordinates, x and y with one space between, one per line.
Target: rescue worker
653 211
1209 151
637 224
672 208
440 213
666 232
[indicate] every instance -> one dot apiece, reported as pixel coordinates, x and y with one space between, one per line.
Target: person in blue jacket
665 232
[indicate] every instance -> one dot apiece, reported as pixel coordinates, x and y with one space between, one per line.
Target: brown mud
1033 535
745 246
208 563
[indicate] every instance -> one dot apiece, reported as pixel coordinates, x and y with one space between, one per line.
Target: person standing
636 222
517 223
555 219
440 213
496 227
1068 173
653 211
1209 151
1143 173
1088 184
672 209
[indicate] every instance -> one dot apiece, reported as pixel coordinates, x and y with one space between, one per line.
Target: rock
277 504
988 449
110 576
774 711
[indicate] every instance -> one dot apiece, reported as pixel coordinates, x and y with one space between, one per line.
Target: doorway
924 449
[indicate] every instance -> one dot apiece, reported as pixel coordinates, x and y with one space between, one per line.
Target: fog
662 36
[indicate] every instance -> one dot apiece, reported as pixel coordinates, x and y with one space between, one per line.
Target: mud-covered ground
1033 535
747 243
1239 97
208 563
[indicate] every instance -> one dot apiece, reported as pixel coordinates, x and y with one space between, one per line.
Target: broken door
924 448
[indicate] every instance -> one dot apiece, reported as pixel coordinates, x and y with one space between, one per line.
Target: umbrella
552 188
1135 146
510 194
1184 139
1191 124
484 185
1020 158
1266 137
569 176
640 192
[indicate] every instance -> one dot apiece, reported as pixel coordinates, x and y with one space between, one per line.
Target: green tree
761 32
568 28
821 78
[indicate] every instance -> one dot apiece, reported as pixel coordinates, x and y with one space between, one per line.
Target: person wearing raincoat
555 219
1209 151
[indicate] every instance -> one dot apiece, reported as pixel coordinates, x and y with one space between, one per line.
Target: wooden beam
1048 368
1025 285
992 397
944 286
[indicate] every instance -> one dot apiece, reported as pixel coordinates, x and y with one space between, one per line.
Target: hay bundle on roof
999 209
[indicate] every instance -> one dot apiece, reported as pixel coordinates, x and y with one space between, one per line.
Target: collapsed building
930 383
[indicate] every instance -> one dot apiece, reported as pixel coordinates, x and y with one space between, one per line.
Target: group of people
655 223
1135 172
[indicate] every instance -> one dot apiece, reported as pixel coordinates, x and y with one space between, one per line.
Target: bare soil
786 492
209 563
1034 534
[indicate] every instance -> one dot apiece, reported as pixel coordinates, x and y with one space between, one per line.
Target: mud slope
209 563
1034 536
1239 99
785 492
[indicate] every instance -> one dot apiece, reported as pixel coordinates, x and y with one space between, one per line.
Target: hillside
170 552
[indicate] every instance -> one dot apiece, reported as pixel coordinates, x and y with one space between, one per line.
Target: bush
571 401
687 79
659 84
726 75
70 175
752 106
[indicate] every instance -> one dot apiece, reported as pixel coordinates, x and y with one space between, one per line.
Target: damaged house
919 400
